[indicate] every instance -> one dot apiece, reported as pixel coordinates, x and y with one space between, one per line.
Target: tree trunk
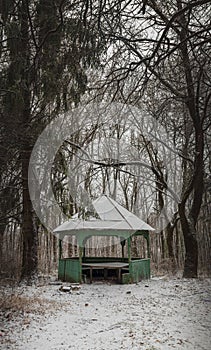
190 216
170 229
29 224
29 227
191 245
169 240
2 230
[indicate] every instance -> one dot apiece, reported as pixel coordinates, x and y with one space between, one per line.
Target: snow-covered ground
161 313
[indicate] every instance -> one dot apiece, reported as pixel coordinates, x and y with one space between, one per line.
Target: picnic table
118 266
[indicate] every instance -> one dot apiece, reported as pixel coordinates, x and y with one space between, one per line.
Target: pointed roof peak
110 210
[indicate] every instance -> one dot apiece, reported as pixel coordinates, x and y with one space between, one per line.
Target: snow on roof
108 209
112 217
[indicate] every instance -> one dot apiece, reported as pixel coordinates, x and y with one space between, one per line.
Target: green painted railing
70 269
139 269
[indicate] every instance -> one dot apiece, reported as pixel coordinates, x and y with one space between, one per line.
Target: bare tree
45 49
170 43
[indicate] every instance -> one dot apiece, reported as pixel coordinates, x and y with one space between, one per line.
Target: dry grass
18 310
21 304
165 267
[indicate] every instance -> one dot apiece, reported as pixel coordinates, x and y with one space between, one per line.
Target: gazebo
110 219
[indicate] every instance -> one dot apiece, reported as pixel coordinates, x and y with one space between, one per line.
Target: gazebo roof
112 219
109 210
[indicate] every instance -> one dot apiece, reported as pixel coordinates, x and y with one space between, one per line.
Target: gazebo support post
81 249
129 248
148 246
84 252
123 247
60 248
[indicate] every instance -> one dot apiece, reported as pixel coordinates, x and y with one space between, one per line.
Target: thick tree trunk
189 220
195 187
191 245
29 227
29 224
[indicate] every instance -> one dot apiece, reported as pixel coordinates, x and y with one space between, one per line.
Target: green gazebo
110 219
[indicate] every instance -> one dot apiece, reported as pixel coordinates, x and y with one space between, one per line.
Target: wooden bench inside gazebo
112 220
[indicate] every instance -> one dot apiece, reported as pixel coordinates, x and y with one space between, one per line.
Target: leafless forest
133 79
